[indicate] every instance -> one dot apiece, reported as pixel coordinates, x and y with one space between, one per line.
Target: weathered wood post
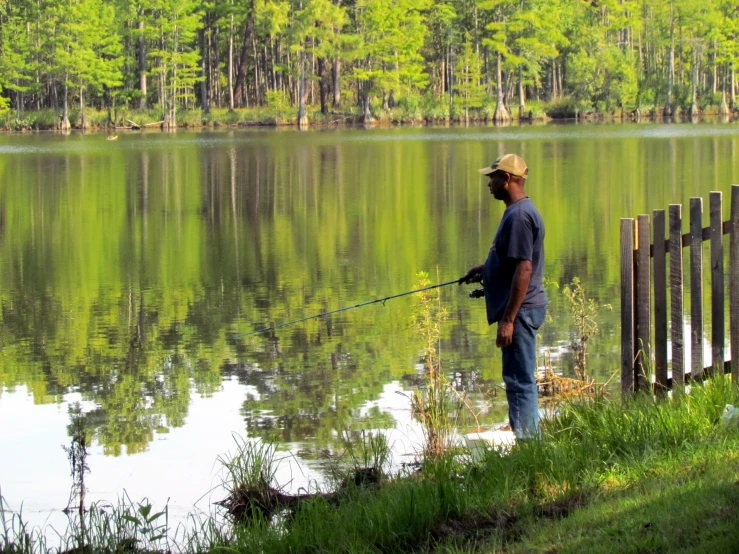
717 284
676 297
660 303
734 283
627 306
696 287
643 303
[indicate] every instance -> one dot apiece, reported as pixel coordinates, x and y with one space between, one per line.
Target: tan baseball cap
510 163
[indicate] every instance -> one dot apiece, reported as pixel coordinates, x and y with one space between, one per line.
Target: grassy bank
409 111
609 476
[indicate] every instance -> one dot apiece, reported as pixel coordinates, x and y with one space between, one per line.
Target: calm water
132 272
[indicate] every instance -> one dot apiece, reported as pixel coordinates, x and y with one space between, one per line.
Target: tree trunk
337 82
258 92
724 107
669 110
65 126
366 111
273 70
450 79
231 64
733 88
83 119
203 73
302 94
215 68
323 85
486 63
694 111
241 75
501 114
142 61
521 98
714 71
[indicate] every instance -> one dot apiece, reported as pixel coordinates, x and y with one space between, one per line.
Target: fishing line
369 302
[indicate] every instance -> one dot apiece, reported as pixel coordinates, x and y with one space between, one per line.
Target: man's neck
514 197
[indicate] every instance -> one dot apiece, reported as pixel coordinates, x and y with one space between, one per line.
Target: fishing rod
324 314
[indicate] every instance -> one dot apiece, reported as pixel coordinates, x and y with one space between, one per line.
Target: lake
133 274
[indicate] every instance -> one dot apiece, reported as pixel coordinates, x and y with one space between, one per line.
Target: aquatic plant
585 312
369 458
77 454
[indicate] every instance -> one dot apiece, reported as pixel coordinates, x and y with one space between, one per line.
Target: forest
185 59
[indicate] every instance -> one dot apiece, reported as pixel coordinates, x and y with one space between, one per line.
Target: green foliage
252 467
469 85
610 56
585 313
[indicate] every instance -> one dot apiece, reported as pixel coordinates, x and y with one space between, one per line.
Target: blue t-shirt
520 236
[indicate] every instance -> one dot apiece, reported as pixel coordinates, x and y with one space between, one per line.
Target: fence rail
645 268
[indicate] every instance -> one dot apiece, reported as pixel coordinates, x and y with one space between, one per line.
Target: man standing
514 294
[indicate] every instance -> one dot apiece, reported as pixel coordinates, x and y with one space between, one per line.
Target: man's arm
521 280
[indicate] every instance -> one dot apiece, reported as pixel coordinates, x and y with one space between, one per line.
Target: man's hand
505 334
474 275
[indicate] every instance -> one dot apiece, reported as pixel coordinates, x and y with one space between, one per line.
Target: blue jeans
519 373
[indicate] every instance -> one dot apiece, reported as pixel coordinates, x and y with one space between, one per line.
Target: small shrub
436 109
563 108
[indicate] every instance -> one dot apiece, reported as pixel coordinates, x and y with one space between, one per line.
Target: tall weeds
431 406
585 313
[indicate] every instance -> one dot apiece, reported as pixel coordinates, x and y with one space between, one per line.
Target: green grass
609 476
687 504
598 458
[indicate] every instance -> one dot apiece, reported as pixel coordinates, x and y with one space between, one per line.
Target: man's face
497 184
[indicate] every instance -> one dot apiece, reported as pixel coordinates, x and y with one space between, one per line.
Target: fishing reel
477 293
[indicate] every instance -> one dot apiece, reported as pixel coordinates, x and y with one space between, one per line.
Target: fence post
676 297
734 283
717 284
696 288
660 303
643 302
627 306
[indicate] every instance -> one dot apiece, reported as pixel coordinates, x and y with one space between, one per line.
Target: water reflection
131 274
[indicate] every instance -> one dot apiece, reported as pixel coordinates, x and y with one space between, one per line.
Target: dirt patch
476 526
562 507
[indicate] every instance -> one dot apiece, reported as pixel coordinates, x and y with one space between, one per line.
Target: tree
173 31
318 32
498 41
469 84
84 49
17 65
389 59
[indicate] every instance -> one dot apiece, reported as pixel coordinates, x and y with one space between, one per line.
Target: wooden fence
644 263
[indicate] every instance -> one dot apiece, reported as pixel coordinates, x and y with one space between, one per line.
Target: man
514 294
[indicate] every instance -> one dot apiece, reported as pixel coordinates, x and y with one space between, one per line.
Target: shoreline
48 120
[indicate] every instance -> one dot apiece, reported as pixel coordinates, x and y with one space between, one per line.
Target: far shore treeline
89 63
